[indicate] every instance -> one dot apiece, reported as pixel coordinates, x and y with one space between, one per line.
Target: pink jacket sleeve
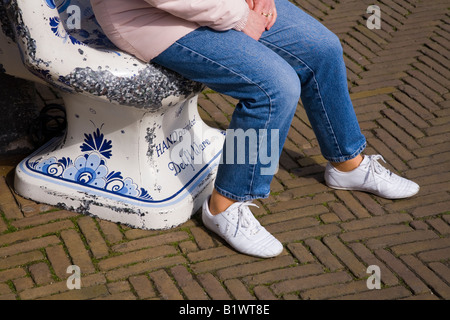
217 14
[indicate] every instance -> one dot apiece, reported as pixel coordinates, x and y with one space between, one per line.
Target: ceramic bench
135 150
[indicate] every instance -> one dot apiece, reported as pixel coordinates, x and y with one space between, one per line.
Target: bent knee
331 47
286 86
292 89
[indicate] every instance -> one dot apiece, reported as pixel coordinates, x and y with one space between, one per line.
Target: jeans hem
349 157
232 196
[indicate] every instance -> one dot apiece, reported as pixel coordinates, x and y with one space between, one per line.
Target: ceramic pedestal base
148 170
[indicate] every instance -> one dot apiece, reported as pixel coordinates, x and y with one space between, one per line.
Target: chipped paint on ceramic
85 61
141 91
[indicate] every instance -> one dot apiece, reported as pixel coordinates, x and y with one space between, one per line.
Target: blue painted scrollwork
90 169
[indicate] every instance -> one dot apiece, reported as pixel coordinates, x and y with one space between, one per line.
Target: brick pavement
399 82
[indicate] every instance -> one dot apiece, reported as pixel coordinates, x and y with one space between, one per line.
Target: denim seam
252 166
351 156
232 196
268 44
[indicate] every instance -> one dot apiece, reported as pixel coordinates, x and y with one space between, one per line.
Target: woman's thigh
231 63
297 35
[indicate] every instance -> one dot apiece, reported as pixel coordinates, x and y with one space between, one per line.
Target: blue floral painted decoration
90 169
51 4
58 29
61 6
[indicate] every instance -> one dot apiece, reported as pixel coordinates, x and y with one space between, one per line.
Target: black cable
50 123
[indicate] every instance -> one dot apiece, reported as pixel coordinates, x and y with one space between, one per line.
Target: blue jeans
297 58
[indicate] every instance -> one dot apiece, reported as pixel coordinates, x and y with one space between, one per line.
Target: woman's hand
265 8
255 26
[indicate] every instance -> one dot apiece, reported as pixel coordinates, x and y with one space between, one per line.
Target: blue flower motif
55 26
122 186
58 29
43 165
97 142
90 169
129 188
87 169
51 167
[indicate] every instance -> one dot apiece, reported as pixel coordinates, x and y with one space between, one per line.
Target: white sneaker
242 230
371 177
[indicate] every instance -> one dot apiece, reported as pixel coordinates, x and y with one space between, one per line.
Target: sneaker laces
375 168
246 219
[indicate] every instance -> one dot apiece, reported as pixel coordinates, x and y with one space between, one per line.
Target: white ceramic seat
135 150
